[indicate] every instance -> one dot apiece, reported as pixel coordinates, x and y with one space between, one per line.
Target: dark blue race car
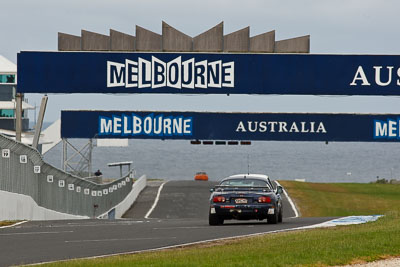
246 197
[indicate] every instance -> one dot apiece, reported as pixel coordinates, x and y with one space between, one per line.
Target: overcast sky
338 27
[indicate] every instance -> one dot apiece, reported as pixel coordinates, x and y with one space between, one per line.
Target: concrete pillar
121 41
38 126
92 41
68 42
90 152
293 45
263 43
147 40
64 154
211 40
174 40
237 41
18 117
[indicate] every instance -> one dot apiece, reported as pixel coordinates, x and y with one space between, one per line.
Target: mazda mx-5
246 197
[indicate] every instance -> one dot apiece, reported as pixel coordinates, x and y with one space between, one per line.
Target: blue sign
231 126
202 73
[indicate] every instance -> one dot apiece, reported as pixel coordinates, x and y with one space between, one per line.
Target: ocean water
313 161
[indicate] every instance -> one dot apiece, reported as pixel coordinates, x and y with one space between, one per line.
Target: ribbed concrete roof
11 105
173 40
7 66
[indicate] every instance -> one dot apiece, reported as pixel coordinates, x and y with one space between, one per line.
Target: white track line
12 225
36 233
118 239
182 227
296 213
184 244
155 201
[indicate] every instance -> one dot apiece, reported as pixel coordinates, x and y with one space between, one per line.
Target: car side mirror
279 189
212 190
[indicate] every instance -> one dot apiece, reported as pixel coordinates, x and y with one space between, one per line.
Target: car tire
214 219
280 216
273 219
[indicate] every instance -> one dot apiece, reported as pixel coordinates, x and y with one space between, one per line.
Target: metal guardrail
23 171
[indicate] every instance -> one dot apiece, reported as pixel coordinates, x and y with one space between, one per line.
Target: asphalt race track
180 217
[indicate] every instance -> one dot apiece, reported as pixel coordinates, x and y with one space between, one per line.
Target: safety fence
23 171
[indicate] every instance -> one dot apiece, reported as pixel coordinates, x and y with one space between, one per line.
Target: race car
246 197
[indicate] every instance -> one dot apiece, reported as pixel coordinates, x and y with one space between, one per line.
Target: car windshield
245 182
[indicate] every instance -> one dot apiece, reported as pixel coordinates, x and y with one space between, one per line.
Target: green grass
343 199
318 247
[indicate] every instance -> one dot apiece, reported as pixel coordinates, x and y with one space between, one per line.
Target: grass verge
343 199
318 247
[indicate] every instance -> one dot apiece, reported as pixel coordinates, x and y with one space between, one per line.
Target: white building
8 84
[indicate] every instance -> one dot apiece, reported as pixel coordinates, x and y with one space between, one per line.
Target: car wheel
273 219
280 216
214 219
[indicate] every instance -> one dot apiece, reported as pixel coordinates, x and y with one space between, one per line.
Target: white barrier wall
125 204
23 171
22 207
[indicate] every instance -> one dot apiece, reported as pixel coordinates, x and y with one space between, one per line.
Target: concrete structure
92 41
121 41
147 40
237 41
211 40
293 45
68 42
263 43
174 40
